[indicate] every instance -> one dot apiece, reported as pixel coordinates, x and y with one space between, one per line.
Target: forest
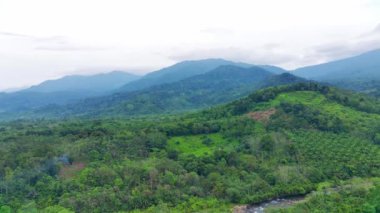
294 140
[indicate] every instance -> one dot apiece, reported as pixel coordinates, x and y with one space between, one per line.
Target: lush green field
278 142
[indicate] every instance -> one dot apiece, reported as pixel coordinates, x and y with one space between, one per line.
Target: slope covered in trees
277 142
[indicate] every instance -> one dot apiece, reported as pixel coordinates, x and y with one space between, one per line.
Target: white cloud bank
43 39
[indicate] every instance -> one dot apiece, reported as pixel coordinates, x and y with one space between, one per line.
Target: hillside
277 142
221 85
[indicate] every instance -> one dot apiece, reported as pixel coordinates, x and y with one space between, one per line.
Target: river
275 203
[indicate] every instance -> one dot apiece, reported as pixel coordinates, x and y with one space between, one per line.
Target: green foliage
200 162
5 209
206 205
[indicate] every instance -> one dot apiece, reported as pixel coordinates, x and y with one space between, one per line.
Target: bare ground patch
69 171
262 115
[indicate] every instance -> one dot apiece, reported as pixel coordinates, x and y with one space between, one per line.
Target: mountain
178 72
362 67
94 83
187 69
361 73
223 84
63 91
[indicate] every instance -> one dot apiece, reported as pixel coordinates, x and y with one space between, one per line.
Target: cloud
32 37
53 43
217 31
377 29
131 35
16 35
340 49
69 47
284 52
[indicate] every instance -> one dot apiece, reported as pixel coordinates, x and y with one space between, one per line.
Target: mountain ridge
63 90
363 66
221 85
101 82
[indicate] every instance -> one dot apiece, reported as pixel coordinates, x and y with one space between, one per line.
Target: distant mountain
187 69
360 73
220 85
363 67
94 83
25 100
178 72
63 91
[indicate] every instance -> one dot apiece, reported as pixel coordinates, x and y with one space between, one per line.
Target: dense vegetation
356 195
277 142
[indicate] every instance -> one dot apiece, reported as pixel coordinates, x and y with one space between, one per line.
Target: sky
48 39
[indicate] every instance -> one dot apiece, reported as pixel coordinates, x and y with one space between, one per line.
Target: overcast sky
46 39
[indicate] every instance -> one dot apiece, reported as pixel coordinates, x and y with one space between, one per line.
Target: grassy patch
200 145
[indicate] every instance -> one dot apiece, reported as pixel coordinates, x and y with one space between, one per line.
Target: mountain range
221 85
71 89
183 86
